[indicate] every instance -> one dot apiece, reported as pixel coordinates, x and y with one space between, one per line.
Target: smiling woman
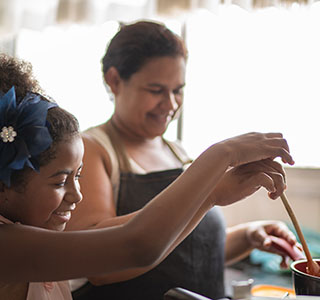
140 98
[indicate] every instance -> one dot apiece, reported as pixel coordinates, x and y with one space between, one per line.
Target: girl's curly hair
63 125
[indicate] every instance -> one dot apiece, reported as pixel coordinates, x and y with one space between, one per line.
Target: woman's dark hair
134 44
62 124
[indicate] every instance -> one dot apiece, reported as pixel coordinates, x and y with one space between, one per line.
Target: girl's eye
60 181
78 176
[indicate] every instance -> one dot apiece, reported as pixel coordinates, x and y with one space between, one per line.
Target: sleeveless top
34 290
197 264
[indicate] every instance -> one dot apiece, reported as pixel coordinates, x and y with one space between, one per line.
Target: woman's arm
243 238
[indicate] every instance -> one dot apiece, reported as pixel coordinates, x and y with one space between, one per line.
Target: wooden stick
296 226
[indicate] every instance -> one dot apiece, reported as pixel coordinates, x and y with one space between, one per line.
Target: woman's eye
78 176
178 92
155 91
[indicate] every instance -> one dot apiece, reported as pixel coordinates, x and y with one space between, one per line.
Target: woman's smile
162 118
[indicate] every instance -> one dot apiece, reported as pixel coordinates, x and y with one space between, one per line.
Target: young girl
40 162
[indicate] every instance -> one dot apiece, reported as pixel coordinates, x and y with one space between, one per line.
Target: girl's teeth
63 213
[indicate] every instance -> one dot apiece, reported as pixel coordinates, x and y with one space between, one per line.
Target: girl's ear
112 79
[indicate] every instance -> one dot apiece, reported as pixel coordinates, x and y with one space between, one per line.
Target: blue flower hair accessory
24 132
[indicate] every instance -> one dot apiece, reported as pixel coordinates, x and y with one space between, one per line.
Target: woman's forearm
237 244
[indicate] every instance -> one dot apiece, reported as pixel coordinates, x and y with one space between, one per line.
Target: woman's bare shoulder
94 149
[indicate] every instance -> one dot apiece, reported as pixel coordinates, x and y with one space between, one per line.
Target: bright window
247 71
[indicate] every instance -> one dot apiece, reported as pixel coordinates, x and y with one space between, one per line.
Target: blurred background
253 65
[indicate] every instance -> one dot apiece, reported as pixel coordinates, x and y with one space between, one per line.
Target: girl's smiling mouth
65 215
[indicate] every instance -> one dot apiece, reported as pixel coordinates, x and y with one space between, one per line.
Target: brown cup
304 284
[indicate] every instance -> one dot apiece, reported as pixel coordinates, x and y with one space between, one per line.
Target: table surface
244 270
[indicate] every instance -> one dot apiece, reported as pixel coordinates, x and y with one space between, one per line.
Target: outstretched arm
116 248
32 254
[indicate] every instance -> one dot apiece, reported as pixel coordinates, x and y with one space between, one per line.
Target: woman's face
147 102
50 195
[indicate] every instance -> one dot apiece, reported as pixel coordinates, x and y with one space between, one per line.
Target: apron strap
118 146
179 152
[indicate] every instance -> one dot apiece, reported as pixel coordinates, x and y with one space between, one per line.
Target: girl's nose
74 194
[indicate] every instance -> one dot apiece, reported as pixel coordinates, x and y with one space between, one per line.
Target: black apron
197 264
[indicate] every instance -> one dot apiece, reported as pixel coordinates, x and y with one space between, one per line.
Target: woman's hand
242 181
258 235
241 239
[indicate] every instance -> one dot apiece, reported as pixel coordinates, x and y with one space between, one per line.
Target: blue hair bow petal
23 132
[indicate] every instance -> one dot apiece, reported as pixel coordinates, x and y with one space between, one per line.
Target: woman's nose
170 101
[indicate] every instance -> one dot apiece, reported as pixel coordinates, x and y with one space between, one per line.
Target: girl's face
51 195
148 101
